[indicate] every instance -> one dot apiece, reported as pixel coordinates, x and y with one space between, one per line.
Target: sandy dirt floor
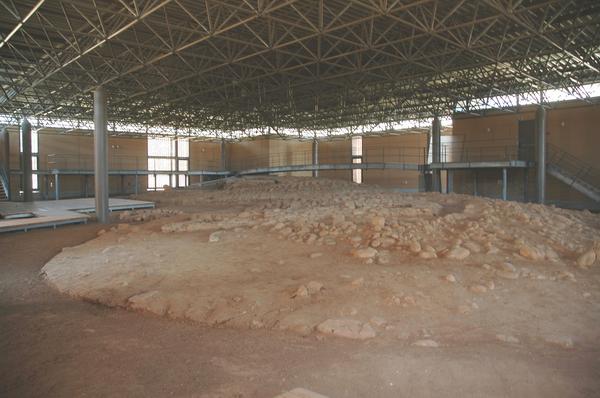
213 296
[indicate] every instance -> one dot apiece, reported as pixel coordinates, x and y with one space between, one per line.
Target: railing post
315 157
56 186
504 184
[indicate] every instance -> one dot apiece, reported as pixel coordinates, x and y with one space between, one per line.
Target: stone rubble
416 254
349 328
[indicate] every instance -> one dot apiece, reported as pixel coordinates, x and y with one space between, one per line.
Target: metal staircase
573 172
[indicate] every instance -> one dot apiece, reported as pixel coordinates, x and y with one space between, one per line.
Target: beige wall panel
572 127
248 154
406 148
127 153
576 130
287 152
14 143
205 155
65 151
332 152
489 137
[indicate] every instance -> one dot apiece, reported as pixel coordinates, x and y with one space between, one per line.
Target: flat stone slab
300 393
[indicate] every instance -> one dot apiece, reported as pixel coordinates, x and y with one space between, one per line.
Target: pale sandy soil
457 296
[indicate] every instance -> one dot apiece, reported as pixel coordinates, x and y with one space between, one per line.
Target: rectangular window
167 157
183 148
357 173
162 180
357 153
183 165
34 158
357 149
34 177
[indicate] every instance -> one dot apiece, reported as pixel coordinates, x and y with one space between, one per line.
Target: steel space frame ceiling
225 65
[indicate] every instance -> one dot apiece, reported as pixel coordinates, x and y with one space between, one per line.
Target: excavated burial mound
354 261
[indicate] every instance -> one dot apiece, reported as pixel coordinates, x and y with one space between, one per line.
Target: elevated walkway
561 165
501 164
333 166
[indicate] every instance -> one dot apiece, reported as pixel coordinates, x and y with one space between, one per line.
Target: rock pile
375 221
346 260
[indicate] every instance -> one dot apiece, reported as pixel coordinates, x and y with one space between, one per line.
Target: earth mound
331 257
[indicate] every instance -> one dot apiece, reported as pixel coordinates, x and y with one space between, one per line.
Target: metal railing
456 152
576 168
122 163
466 153
411 155
86 162
4 181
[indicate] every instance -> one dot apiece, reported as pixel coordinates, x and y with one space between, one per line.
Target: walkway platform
53 213
332 166
481 165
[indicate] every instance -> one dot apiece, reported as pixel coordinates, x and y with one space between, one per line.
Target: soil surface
227 298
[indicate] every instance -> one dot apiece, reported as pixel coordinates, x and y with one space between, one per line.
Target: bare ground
53 345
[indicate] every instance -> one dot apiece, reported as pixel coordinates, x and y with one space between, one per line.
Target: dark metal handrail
466 153
5 181
574 166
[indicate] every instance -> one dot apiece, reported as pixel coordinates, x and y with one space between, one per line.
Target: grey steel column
56 186
100 156
26 161
504 184
449 181
541 153
436 131
315 157
223 154
525 185
176 184
5 139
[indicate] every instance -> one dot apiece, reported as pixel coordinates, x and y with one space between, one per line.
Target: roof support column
223 154
541 153
101 156
5 144
315 157
436 141
449 181
504 184
26 161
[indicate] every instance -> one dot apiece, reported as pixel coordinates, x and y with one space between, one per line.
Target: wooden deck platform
53 213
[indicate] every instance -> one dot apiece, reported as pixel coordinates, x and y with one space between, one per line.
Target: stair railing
576 168
5 181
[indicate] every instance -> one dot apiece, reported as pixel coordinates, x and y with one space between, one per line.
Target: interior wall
247 154
76 152
489 137
405 148
576 130
288 152
204 155
572 127
334 151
